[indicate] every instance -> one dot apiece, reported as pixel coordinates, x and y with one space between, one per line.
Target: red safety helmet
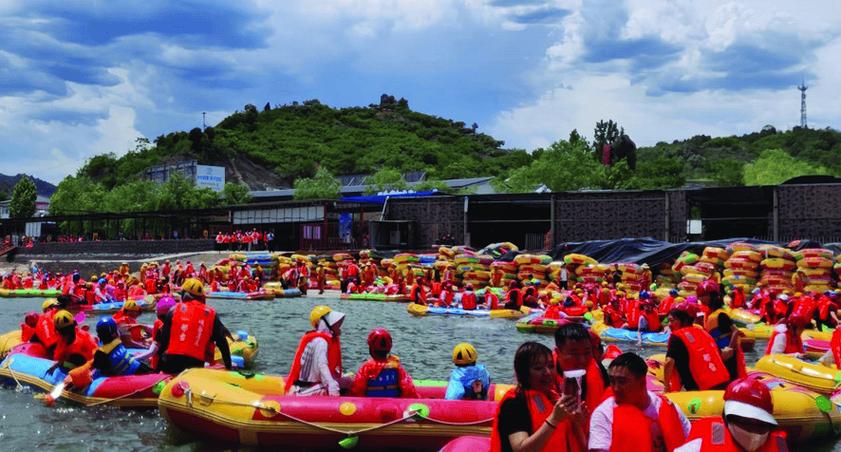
706 287
750 398
379 340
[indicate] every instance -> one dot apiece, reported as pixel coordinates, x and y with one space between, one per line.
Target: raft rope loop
409 415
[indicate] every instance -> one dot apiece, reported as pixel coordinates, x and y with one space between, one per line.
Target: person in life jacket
190 330
728 338
576 364
786 338
491 299
132 333
469 380
667 303
164 306
112 358
468 298
28 327
514 296
634 418
535 416
317 365
45 332
382 375
75 346
692 357
747 424
417 293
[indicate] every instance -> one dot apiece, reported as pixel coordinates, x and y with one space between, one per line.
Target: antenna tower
802 87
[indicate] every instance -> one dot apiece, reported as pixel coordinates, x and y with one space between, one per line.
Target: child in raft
469 380
382 375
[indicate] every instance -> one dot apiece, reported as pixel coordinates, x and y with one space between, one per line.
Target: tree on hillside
386 179
235 193
76 194
321 186
775 166
3 195
24 195
561 167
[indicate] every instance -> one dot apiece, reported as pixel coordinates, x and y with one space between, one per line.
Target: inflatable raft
661 339
536 323
814 376
805 415
9 341
375 297
135 391
279 292
247 412
224 295
35 293
420 310
147 305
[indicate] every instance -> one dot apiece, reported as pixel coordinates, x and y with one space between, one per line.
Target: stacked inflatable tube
419 310
277 290
135 391
199 403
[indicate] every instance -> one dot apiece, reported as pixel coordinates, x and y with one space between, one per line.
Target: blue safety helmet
106 327
102 280
644 295
673 292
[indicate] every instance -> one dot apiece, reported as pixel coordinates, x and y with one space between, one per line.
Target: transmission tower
802 87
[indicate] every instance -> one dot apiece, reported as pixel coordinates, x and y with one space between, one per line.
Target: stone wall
434 217
809 212
610 215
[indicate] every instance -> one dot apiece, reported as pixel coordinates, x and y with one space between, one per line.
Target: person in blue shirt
468 381
112 358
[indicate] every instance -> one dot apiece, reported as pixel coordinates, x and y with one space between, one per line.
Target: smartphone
571 388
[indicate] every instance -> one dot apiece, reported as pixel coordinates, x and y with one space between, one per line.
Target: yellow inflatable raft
814 376
420 310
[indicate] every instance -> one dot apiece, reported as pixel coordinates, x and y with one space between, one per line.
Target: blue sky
79 78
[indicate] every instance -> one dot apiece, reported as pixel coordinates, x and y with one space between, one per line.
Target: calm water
424 345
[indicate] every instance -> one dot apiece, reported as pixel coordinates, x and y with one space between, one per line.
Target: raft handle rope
138 391
256 404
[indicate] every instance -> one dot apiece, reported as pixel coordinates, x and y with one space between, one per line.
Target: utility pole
802 87
203 120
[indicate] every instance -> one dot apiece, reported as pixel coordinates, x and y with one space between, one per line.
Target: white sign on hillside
212 177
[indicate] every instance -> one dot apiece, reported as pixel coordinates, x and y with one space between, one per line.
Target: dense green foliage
234 193
775 166
321 186
24 195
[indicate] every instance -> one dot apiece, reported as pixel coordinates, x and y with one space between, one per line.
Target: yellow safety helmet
49 303
193 287
131 305
317 313
464 354
63 319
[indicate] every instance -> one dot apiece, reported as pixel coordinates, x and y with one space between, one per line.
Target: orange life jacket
417 294
705 361
794 344
153 360
835 346
191 330
84 345
122 318
492 300
716 437
632 428
334 355
540 407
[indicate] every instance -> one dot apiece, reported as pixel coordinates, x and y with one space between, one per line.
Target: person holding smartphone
534 416
576 365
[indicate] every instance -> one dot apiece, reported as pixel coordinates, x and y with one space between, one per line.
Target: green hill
291 141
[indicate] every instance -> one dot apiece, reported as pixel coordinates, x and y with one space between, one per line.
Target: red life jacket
492 300
716 437
596 387
26 332
468 301
632 429
540 407
121 318
417 294
191 330
45 329
90 296
334 355
794 344
151 285
84 345
804 307
153 360
705 361
666 305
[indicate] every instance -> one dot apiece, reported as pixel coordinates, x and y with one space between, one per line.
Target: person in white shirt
635 418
